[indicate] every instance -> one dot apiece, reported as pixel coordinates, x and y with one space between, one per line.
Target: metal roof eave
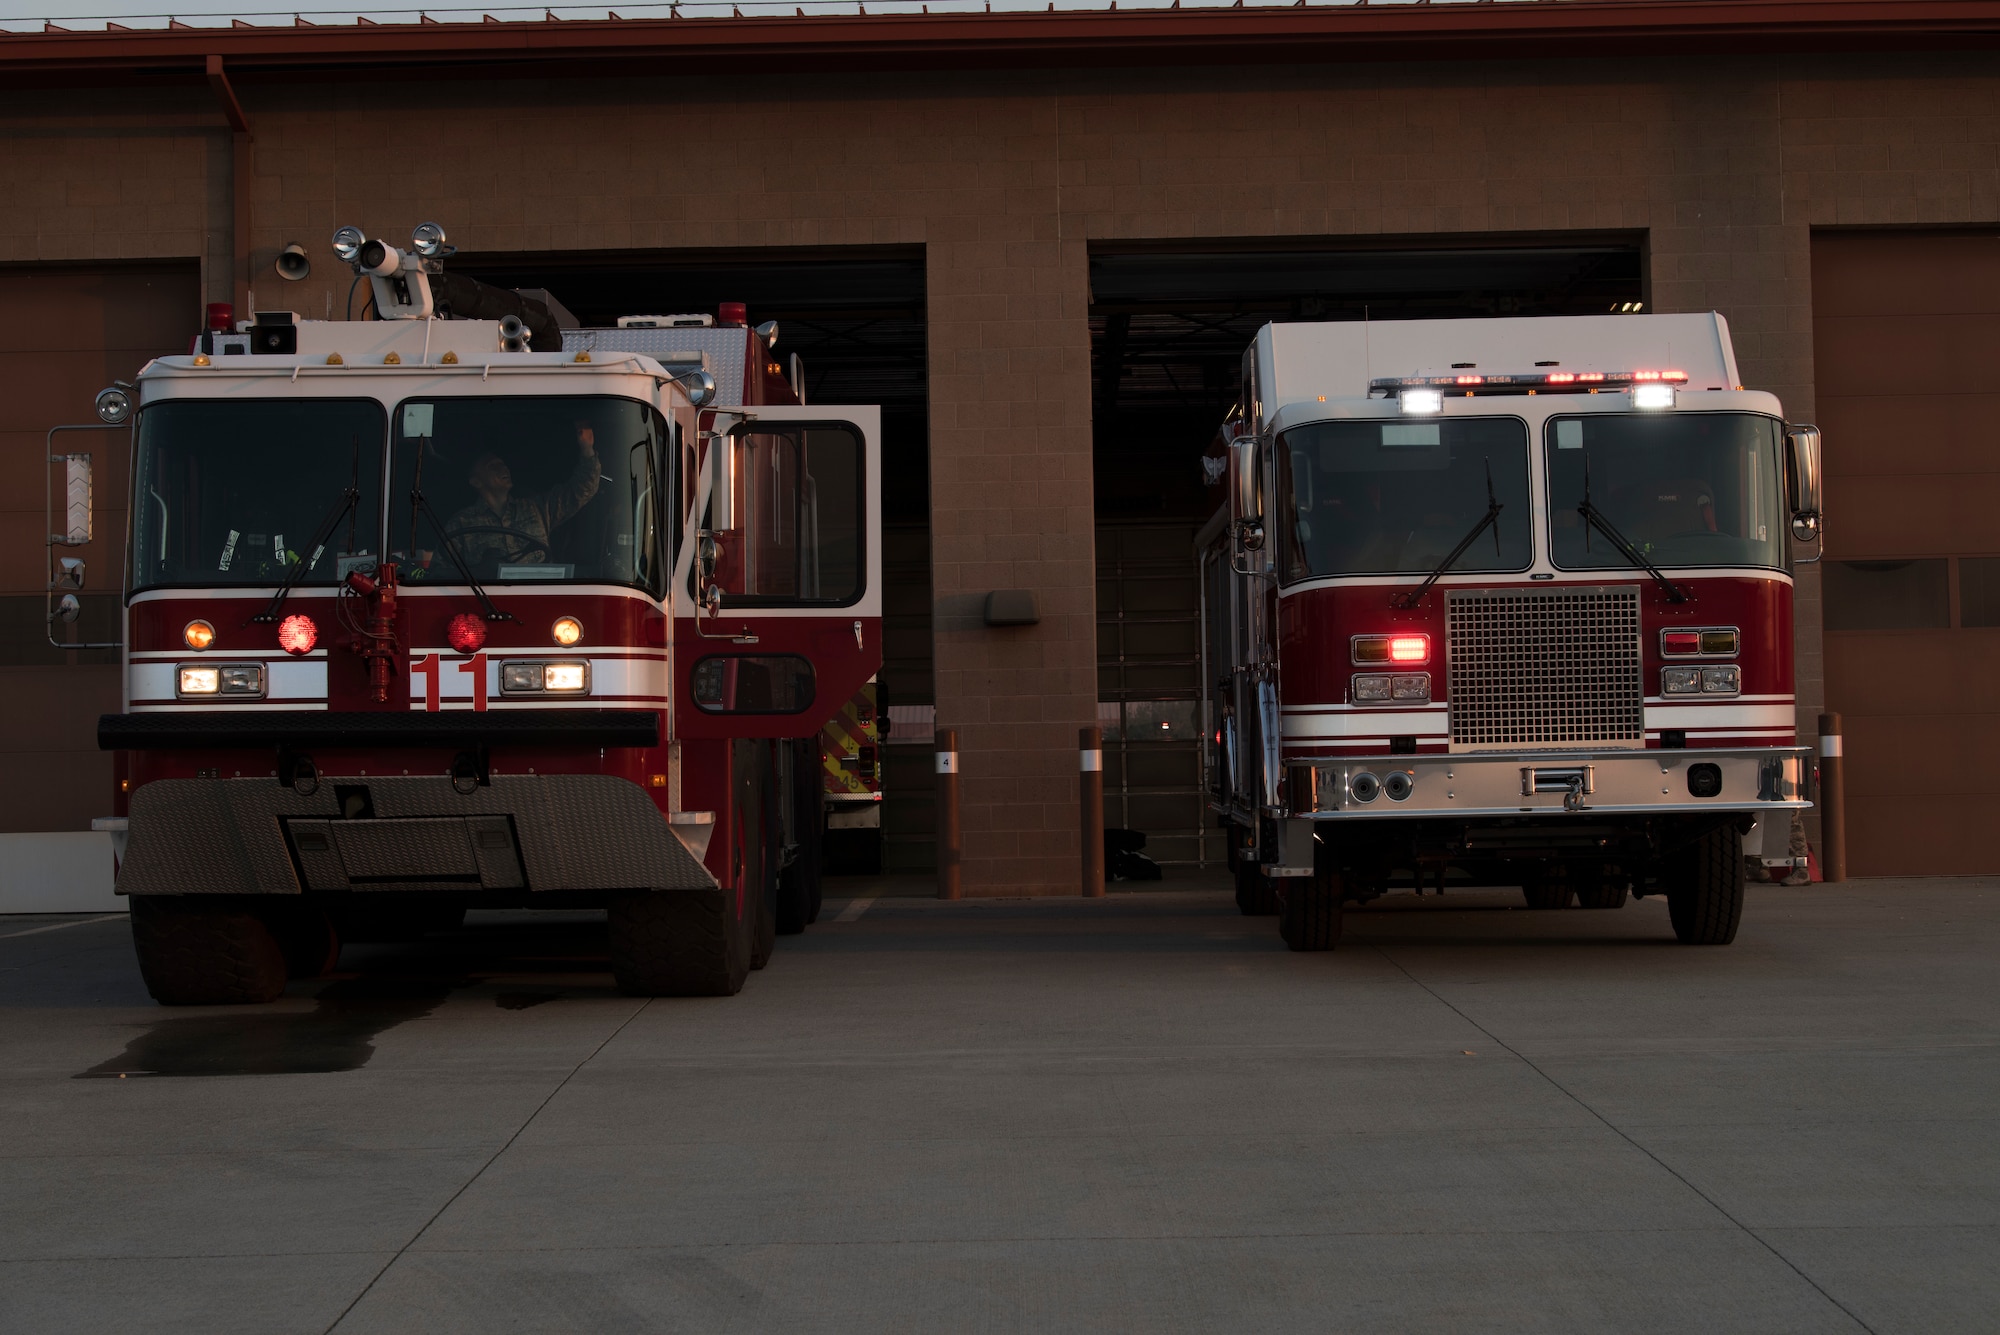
1289 34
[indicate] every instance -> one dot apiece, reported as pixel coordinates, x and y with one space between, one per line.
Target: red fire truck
453 608
1504 602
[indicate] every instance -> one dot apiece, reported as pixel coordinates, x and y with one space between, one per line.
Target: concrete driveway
1135 1114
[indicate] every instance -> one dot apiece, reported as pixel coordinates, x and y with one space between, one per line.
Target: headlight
238 679
1410 686
562 678
1371 686
1721 680
1680 681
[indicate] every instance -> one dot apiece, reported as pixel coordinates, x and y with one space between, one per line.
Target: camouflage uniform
536 515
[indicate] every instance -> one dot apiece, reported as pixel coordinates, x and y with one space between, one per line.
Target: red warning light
467 633
297 634
1409 648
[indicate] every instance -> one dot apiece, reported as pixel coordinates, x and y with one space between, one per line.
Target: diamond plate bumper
556 832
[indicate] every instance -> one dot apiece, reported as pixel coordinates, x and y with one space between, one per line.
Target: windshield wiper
349 502
419 505
1489 520
1594 518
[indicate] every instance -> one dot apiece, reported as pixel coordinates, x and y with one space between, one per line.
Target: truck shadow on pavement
378 987
337 1034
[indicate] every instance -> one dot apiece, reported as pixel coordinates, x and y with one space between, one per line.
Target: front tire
205 951
1704 884
1309 907
678 943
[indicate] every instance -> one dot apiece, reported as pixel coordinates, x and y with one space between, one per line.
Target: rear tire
1548 890
196 951
1309 911
1704 884
1602 894
678 943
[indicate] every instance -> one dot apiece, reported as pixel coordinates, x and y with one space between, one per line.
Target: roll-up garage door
1906 329
68 332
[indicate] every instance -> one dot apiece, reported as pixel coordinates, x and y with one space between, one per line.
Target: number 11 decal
429 668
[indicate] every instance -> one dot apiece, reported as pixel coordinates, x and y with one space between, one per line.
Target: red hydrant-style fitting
377 640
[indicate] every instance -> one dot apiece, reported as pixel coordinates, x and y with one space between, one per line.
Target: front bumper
521 833
1548 783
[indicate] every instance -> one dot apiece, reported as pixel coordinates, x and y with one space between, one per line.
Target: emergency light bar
1517 382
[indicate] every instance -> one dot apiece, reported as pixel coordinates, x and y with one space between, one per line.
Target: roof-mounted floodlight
1421 401
428 241
347 243
1652 397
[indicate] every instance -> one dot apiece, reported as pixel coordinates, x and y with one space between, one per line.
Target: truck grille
1544 667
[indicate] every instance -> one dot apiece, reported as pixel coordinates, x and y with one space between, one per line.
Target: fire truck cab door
778 593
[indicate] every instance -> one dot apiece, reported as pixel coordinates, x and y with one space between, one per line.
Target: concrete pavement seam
1618 1131
59 926
491 1159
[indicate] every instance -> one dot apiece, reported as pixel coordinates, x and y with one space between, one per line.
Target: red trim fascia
1518 29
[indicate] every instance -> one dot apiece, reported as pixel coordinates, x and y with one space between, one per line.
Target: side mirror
69 572
722 492
700 386
76 498
67 608
1802 481
1246 500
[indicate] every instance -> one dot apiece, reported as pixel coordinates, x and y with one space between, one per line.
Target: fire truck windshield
1394 498
1685 489
231 493
528 490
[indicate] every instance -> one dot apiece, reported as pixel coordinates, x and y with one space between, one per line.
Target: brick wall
1006 178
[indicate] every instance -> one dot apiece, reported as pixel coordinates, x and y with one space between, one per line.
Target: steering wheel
535 544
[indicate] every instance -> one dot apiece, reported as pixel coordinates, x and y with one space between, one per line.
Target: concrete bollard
1090 789
949 835
1832 801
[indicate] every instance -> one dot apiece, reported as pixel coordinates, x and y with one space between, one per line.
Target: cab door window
788 517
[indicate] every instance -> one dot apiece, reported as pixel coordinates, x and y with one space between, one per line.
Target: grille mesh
1544 667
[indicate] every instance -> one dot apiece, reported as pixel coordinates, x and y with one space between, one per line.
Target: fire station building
1041 240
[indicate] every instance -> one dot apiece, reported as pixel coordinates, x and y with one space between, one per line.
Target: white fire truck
426 612
1504 602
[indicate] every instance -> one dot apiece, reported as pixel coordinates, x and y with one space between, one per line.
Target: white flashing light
1653 396
1421 401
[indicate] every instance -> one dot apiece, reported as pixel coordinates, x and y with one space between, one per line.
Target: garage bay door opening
1168 327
